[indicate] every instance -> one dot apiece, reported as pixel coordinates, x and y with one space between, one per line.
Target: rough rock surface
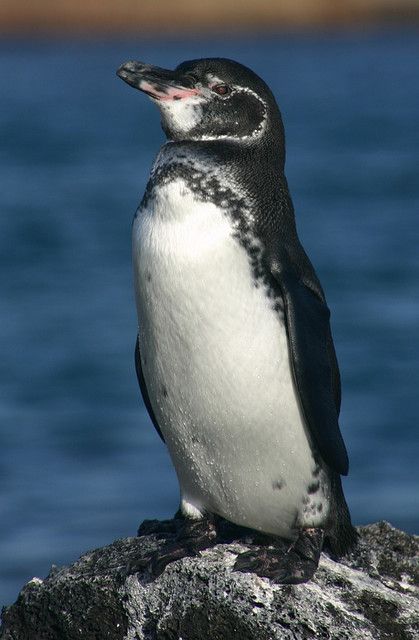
110 594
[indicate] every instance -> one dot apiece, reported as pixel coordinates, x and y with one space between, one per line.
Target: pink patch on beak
169 93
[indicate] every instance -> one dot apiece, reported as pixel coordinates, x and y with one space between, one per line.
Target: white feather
182 115
216 365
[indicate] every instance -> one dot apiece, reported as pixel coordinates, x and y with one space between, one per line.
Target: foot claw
295 566
186 538
161 559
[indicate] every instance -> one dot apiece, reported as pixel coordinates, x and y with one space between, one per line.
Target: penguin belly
215 360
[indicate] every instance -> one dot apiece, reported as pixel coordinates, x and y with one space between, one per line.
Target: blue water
80 463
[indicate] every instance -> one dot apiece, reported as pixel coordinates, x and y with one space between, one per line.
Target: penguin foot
160 528
269 557
192 537
295 565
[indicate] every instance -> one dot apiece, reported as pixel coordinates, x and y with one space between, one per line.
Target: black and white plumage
235 356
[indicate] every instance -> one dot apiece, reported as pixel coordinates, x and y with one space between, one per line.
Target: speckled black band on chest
207 184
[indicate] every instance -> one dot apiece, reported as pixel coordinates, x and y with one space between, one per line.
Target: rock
109 594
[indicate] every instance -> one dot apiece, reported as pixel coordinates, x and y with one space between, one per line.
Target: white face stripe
183 115
251 136
214 80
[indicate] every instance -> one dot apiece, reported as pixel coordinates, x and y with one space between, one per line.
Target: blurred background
80 463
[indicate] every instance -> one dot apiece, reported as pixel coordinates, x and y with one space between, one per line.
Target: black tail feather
340 535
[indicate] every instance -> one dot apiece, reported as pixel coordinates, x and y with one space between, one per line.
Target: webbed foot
191 537
293 565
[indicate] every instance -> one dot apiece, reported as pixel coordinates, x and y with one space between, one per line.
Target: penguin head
208 99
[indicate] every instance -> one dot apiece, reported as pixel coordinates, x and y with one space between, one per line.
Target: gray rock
110 594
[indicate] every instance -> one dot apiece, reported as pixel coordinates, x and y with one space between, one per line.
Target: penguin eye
221 89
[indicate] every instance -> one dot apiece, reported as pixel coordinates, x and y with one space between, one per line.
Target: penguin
234 356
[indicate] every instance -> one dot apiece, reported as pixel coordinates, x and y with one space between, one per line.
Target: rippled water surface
80 463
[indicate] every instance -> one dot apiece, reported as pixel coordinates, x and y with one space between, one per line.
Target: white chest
215 360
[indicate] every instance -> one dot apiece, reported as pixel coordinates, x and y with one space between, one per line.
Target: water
80 463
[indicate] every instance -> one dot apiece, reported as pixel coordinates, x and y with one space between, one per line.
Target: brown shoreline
184 16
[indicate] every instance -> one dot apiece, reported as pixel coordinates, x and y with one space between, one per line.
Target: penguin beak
159 84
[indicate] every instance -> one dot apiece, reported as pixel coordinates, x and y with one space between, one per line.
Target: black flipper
143 388
313 358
